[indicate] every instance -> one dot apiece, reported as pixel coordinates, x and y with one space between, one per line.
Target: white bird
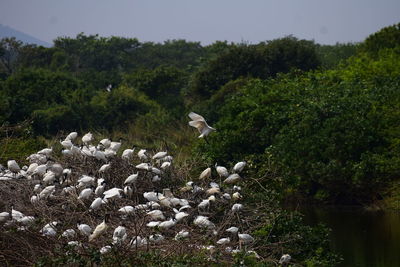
156 238
131 178
181 235
4 216
26 220
236 196
109 87
239 166
143 166
105 142
84 229
57 169
100 155
128 191
37 188
13 166
113 193
85 151
127 210
167 224
156 179
285 259
204 222
237 207
40 170
96 204
137 241
87 138
200 124
105 249
213 190
156 215
69 190
85 193
224 241
67 153
233 178
204 204
160 155
142 154
75 150
179 215
32 167
222 171
226 196
115 146
69 233
100 189
155 170
100 229
205 174
153 224
165 165
16 215
104 168
127 154
119 235
47 191
46 152
67 144
245 239
86 180
49 229
237 188
185 207
49 177
232 230
72 136
151 196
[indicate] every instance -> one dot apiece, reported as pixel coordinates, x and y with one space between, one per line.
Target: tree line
324 114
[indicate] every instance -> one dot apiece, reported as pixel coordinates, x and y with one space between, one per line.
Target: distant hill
6 31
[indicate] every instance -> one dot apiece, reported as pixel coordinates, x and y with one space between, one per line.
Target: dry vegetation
23 243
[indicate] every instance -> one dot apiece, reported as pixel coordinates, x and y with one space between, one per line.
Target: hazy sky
325 21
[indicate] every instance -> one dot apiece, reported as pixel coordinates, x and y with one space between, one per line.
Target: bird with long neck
100 229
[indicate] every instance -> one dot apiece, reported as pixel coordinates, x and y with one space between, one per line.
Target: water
363 238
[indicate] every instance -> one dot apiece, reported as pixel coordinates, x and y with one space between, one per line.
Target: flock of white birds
122 211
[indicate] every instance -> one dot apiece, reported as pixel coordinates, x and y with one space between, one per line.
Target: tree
162 84
388 37
34 89
263 61
9 52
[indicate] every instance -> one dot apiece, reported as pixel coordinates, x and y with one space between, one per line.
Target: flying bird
200 124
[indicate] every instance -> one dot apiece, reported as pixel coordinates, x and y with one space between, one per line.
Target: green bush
328 131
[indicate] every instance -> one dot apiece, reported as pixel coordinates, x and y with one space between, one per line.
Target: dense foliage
333 133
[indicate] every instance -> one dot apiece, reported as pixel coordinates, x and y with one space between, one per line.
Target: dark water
363 238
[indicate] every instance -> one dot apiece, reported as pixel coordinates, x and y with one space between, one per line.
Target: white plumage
233 178
84 229
205 174
285 259
98 231
239 166
96 204
13 166
200 124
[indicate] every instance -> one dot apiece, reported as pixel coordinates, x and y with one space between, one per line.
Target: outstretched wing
198 124
196 117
